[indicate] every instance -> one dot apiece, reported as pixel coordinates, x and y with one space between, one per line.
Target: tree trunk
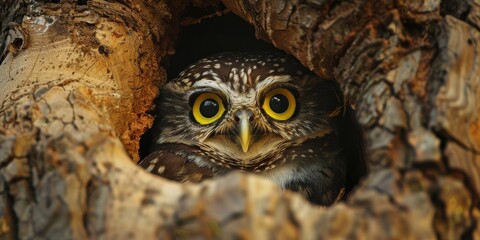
78 80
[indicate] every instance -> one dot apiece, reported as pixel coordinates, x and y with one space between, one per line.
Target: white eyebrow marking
211 84
271 79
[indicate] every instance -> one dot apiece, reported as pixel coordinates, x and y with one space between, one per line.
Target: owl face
243 111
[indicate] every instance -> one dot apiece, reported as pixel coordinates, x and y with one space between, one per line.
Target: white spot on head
243 76
216 66
161 169
234 74
212 73
150 167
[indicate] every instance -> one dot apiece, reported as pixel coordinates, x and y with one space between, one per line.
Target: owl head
244 110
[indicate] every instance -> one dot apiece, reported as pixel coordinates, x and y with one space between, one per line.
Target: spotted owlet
256 112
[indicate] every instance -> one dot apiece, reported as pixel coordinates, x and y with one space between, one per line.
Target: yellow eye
280 104
207 108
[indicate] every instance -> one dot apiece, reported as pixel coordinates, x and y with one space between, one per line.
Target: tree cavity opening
203 33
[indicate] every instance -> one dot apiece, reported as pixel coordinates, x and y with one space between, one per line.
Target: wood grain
74 103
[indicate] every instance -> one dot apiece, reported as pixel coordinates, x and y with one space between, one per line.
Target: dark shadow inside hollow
353 142
229 33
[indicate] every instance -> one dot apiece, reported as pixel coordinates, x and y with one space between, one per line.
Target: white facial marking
273 79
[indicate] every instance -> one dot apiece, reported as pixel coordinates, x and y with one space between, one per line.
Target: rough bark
76 86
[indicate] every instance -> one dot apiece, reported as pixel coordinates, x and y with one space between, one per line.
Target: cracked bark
77 81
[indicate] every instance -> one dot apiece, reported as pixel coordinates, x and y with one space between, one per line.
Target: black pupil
279 103
209 108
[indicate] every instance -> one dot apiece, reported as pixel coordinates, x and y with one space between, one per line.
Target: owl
262 113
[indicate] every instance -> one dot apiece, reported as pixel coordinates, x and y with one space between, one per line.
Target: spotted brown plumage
256 112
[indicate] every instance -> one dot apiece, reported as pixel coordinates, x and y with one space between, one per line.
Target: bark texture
77 80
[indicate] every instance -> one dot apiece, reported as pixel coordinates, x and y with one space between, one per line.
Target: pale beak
245 132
